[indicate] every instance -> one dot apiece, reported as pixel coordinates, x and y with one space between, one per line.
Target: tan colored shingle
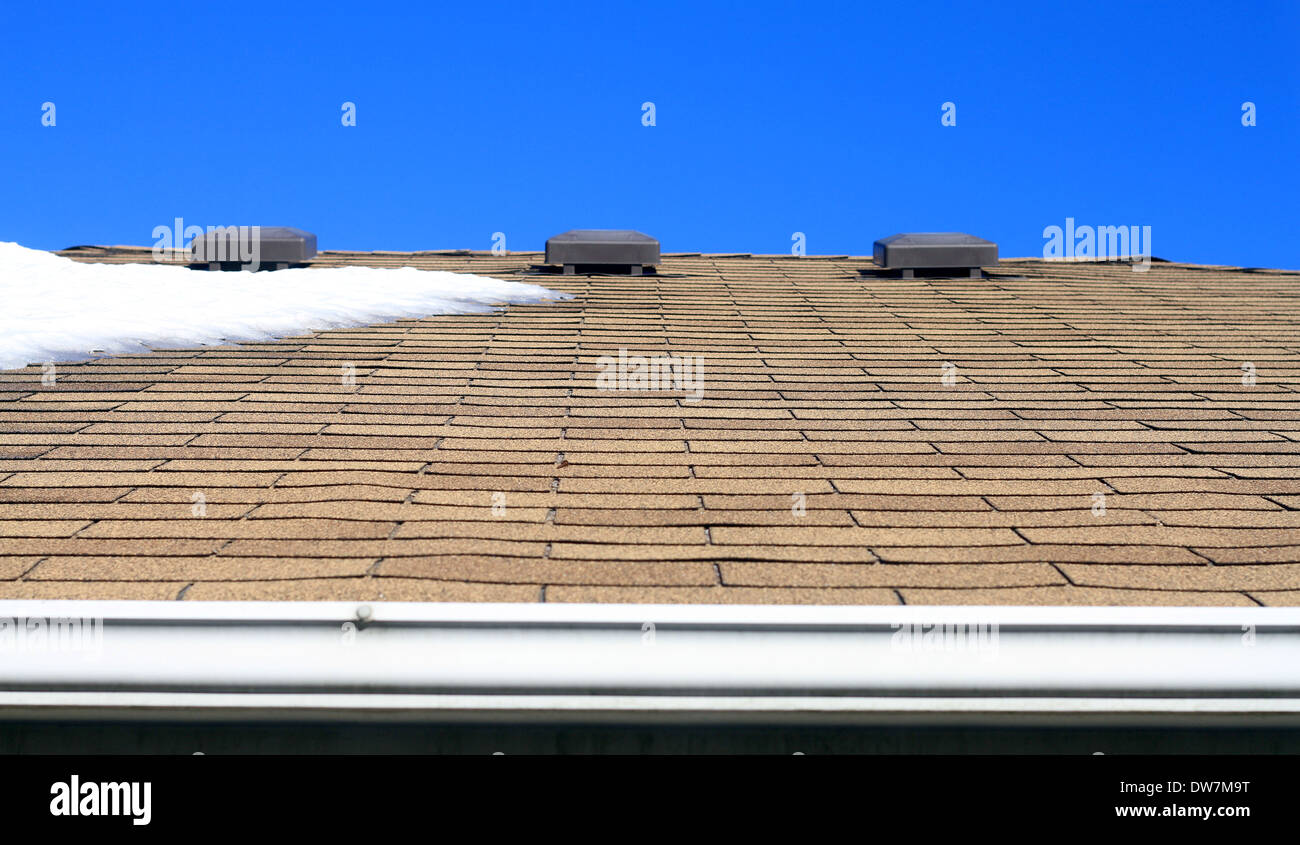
718 595
476 459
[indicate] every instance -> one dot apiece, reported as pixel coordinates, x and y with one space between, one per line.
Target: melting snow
56 309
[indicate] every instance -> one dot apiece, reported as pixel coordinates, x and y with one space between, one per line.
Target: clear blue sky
524 118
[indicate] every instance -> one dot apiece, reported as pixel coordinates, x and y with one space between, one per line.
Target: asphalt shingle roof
822 385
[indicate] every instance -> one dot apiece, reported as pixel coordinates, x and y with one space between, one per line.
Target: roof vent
603 251
946 251
252 248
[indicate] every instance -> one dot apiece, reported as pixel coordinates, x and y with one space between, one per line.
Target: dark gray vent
935 251
603 250
252 248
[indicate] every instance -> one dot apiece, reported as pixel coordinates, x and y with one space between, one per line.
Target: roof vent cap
603 250
914 251
252 248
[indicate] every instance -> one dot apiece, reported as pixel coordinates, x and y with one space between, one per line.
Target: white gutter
509 663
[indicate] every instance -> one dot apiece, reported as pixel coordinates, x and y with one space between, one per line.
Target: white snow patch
56 309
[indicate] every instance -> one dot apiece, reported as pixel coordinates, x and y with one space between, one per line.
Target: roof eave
508 663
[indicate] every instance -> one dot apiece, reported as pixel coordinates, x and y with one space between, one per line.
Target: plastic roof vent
253 248
914 251
603 250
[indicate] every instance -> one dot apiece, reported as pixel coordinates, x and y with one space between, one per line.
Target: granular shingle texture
1058 433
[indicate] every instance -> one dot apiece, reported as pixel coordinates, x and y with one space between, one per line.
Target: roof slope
258 472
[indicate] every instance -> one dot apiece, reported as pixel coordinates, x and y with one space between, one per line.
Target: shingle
718 595
178 568
1276 598
543 571
1076 596
825 463
99 590
1241 577
1040 553
410 589
1165 536
891 536
755 574
1153 501
379 548
13 567
40 527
